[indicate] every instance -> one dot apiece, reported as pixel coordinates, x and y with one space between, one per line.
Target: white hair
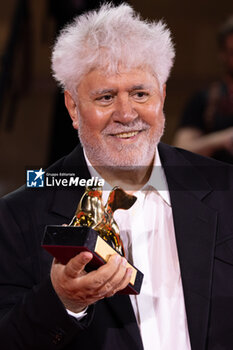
107 39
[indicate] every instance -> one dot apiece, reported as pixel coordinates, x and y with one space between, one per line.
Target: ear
71 107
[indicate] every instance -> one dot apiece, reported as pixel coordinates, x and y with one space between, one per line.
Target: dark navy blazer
31 314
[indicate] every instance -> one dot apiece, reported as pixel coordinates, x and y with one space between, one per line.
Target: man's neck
130 179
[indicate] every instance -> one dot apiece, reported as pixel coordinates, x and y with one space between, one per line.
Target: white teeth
125 135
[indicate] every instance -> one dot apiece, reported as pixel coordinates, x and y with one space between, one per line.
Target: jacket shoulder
218 174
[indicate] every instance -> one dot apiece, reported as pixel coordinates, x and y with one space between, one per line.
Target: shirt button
57 339
57 336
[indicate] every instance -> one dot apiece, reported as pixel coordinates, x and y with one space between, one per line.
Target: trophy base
65 242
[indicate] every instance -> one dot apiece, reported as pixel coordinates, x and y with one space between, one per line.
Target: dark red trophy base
65 242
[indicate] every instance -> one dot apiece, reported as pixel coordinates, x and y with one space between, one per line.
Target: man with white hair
113 67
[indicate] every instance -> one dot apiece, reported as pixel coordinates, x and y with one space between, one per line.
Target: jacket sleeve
31 314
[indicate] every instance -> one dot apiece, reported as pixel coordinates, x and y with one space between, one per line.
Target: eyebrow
112 91
102 91
140 87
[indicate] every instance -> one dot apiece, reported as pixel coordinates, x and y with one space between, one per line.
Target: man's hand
77 289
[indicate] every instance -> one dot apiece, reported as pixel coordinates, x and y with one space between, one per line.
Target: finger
96 279
77 264
117 277
118 281
126 280
56 261
122 285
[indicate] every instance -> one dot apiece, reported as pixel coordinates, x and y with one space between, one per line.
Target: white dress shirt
147 231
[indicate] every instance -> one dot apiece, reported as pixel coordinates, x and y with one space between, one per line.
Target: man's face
119 117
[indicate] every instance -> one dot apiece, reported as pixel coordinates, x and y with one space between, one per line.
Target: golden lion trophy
93 229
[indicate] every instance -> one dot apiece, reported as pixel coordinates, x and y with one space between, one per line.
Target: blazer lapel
65 200
195 228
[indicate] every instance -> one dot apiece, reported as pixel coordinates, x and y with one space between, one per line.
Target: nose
124 110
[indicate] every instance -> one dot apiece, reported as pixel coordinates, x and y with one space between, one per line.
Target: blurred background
31 107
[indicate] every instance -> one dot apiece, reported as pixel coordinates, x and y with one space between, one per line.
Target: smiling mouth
126 135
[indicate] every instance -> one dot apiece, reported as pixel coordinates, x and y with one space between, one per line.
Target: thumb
77 264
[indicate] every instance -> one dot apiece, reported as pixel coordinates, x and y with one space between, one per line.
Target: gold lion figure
91 212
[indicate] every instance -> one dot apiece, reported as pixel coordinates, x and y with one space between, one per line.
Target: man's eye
105 98
141 95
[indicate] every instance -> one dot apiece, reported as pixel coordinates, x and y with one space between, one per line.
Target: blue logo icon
35 178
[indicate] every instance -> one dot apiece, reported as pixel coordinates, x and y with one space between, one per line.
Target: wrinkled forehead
124 76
